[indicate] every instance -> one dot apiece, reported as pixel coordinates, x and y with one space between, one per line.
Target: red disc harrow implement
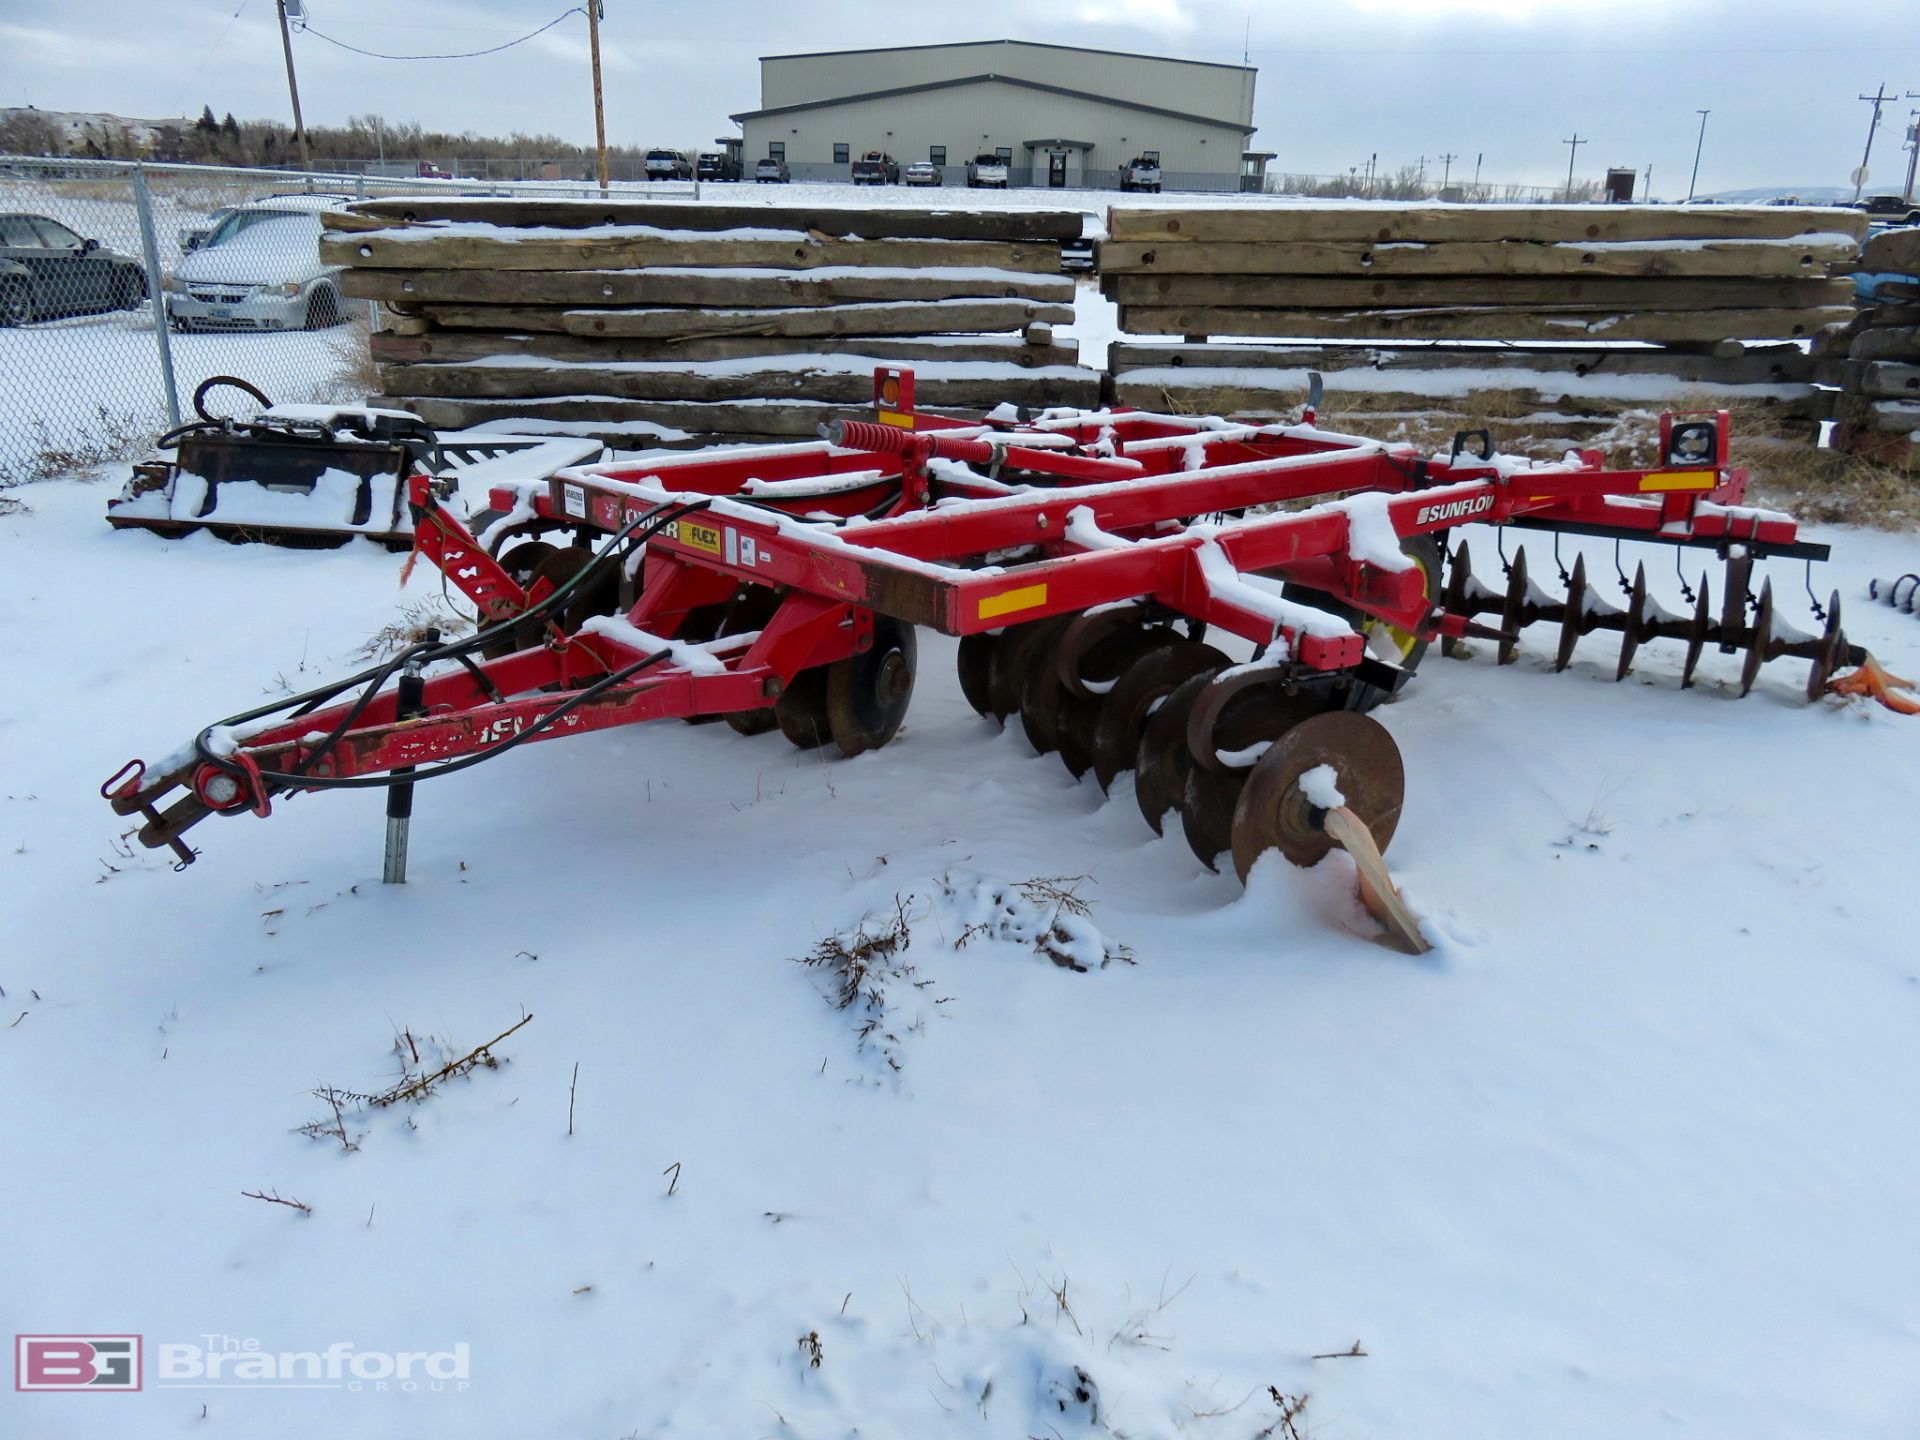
1082 557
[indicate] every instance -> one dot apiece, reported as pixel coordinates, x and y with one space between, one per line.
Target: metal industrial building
1059 114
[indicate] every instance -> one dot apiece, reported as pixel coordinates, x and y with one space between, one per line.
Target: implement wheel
801 709
868 693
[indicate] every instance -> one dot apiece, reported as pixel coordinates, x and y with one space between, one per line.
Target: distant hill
84 132
1805 194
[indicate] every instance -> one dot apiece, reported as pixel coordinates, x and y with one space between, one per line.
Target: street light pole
1698 144
594 9
293 86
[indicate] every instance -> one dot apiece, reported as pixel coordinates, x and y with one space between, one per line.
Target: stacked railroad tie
1464 301
652 323
1878 409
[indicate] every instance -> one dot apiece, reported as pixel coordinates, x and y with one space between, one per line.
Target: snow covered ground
1628 1154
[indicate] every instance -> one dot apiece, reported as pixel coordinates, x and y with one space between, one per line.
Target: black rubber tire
802 709
129 290
868 693
16 304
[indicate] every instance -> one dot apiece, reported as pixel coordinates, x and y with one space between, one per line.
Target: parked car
876 167
47 270
1140 173
770 172
987 172
922 172
668 165
711 166
259 269
192 237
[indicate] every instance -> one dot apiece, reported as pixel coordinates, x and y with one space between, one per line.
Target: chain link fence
123 286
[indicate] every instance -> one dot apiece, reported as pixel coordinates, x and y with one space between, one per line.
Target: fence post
156 294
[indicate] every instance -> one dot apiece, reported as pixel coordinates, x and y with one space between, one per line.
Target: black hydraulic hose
426 652
303 781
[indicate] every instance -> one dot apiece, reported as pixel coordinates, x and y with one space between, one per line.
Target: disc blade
1162 759
1275 813
1124 710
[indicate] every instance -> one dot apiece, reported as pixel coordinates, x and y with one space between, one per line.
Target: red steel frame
1125 525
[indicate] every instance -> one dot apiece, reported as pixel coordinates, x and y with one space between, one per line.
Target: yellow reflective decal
894 417
697 536
1010 600
1680 480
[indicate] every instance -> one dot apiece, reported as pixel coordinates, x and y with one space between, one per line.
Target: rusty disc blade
1697 633
1759 640
1124 709
1162 760
1206 812
868 693
1833 645
1008 661
1454 597
974 664
1041 695
1573 622
1274 813
1631 633
1513 614
1100 670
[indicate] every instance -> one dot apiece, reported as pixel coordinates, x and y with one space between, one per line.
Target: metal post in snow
156 294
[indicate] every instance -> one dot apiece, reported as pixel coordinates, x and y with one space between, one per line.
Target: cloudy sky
1507 80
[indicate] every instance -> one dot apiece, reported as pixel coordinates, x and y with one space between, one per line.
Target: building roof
1233 125
1032 44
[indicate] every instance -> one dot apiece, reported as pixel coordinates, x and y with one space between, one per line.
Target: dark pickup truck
876 167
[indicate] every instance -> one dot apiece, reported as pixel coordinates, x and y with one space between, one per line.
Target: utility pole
1913 145
1446 168
594 9
293 86
1698 144
1573 149
1879 98
1373 162
1476 168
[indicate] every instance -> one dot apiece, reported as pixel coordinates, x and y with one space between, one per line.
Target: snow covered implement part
316 474
1082 557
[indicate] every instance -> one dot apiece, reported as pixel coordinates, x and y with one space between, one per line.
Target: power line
462 55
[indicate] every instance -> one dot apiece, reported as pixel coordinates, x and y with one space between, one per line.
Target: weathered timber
1557 410
1284 292
785 419
512 250
894 224
1753 259
850 387
913 317
719 288
1682 325
1784 364
1888 381
1863 412
1893 251
1888 342
444 346
1381 223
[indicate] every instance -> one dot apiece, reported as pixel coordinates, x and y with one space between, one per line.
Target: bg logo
76 1362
